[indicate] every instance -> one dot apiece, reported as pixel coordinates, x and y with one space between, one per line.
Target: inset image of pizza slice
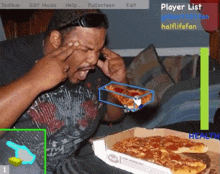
131 92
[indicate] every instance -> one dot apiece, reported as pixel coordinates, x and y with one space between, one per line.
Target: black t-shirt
70 112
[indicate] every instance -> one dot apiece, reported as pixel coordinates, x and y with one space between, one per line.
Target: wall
29 23
131 29
2 33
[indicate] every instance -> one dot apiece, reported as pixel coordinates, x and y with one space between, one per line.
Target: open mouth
86 68
83 74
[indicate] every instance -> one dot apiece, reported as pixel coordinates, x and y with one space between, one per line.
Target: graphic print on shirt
90 113
65 107
70 115
44 113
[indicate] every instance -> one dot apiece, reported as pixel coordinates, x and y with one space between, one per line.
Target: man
59 92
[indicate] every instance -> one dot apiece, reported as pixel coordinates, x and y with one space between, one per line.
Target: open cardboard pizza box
102 149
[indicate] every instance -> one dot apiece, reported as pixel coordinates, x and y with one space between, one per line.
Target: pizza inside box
129 97
103 149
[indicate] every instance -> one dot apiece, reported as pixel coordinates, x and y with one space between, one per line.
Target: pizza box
102 149
137 100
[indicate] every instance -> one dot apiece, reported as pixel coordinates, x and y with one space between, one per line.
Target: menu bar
75 4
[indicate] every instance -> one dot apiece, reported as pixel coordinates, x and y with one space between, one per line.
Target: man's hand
48 72
113 66
52 68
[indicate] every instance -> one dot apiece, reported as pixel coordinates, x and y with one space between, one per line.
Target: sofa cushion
180 68
146 71
128 60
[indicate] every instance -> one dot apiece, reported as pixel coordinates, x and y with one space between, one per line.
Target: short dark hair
62 17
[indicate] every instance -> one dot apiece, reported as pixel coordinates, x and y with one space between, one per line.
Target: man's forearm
15 98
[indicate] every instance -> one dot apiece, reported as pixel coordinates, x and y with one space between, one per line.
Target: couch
185 78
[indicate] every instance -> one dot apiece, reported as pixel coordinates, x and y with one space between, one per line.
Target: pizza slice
130 92
183 165
182 145
178 164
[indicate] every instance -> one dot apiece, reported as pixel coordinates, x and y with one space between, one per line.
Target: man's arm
48 72
114 68
14 100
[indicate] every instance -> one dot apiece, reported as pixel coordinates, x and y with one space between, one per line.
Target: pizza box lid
102 149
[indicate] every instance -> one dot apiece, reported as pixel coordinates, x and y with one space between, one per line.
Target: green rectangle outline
204 89
45 142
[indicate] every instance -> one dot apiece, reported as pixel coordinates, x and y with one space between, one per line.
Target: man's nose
93 58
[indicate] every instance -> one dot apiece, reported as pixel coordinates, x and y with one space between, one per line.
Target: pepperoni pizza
165 151
129 92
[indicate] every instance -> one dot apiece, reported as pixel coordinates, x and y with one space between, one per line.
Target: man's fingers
65 77
59 50
67 52
100 64
112 72
116 63
109 54
66 68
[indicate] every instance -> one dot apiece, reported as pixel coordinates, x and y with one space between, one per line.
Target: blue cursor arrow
22 152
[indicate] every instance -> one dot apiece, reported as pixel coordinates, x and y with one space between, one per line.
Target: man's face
83 60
